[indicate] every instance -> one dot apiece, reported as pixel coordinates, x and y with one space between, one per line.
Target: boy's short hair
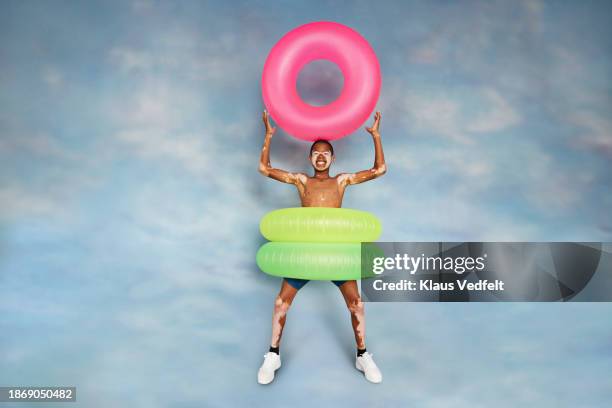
331 148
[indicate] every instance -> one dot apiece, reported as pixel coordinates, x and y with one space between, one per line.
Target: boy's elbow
380 170
263 169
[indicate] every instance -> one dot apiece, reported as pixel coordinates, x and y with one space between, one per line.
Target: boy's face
321 157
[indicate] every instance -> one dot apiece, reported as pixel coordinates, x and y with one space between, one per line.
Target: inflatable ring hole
320 82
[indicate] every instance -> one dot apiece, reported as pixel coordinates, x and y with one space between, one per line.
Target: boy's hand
266 120
374 129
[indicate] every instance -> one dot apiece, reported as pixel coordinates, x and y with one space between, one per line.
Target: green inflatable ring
316 261
320 224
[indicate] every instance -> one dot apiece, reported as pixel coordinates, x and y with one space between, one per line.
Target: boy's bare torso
316 192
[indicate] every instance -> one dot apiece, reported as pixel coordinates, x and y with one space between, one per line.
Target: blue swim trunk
298 283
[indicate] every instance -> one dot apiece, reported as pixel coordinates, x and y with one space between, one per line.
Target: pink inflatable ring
330 41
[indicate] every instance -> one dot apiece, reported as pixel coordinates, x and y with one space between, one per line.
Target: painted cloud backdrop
130 200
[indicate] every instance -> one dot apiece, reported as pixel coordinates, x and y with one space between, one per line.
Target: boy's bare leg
281 307
364 361
353 301
272 361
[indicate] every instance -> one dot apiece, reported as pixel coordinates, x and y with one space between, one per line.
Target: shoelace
367 359
267 361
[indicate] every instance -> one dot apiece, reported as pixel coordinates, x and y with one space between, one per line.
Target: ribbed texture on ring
318 243
318 224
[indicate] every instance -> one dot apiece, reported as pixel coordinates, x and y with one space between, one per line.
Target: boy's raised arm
265 167
379 167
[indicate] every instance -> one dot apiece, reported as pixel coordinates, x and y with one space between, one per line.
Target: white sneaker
271 363
365 363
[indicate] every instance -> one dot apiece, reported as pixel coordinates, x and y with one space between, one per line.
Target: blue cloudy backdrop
130 200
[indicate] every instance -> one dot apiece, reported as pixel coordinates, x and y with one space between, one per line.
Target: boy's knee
281 305
355 306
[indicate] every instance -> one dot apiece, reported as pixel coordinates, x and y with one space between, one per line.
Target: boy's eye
326 154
